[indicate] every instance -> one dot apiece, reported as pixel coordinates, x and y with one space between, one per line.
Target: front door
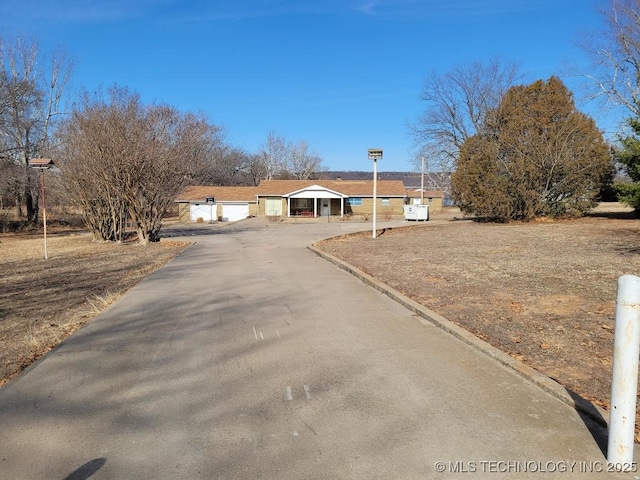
325 209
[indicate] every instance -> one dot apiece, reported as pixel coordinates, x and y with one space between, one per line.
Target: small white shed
212 203
206 211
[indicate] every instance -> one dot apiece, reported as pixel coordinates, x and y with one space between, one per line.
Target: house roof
352 188
315 191
221 194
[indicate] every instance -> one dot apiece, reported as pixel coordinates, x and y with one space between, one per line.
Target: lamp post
375 154
211 201
42 164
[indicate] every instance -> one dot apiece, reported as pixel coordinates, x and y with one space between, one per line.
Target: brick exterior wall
395 207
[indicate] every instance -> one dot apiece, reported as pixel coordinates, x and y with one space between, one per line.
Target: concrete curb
549 385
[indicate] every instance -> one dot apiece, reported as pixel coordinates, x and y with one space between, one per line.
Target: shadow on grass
615 215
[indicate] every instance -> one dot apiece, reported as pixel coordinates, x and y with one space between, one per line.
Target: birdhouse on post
42 164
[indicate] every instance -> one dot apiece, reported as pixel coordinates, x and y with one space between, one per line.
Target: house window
354 202
302 203
385 202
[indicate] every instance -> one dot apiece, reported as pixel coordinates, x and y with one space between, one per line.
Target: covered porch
315 201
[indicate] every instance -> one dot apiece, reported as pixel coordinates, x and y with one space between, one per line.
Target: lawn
44 301
543 292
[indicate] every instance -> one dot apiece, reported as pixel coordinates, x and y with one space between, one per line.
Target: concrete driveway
250 357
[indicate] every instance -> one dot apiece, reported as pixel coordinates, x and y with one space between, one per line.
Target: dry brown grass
44 301
542 292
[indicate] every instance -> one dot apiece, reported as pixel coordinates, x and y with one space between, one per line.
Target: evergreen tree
628 155
538 156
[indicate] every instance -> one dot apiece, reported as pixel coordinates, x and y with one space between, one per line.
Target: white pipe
624 382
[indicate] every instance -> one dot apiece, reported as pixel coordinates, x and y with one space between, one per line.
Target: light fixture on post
375 154
42 164
211 201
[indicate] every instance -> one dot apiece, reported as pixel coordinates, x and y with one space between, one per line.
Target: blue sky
342 75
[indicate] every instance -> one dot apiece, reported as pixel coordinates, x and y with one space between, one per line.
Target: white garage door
234 212
202 210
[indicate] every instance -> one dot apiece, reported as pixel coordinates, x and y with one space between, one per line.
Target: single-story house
213 203
315 198
289 198
432 198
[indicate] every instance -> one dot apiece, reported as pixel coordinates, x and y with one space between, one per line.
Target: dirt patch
542 292
44 301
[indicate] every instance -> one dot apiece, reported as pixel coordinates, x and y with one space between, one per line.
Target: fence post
624 381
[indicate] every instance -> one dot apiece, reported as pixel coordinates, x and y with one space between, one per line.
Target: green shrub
629 194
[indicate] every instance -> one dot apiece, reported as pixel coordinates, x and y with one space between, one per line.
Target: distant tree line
31 93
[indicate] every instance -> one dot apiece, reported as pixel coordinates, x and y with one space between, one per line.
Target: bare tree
458 105
256 170
10 181
281 159
31 94
229 166
302 163
614 74
273 155
121 157
435 168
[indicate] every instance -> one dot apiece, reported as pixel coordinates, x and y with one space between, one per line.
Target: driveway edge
581 405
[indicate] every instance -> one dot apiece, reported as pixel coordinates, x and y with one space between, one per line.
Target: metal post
375 192
375 154
422 183
624 381
42 164
44 213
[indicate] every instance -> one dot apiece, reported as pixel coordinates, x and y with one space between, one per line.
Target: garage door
205 211
235 212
